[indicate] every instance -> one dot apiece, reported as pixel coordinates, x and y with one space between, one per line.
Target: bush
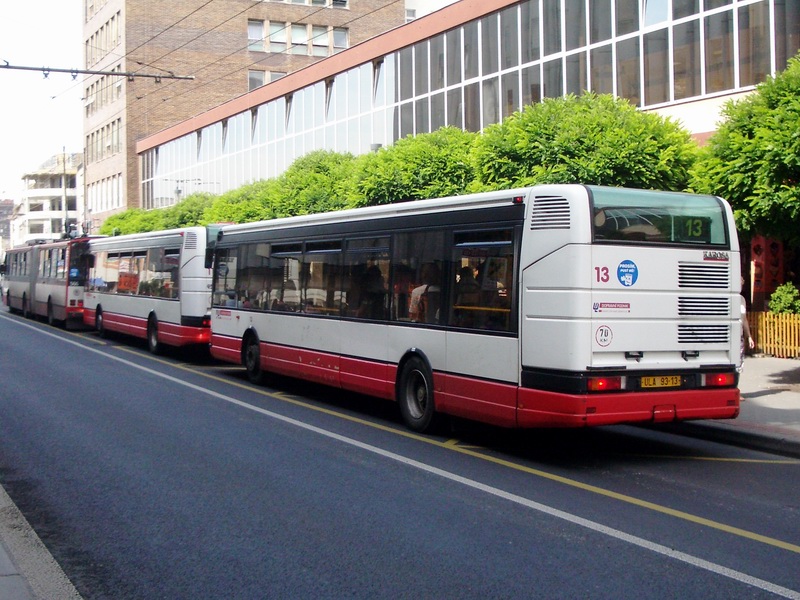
785 299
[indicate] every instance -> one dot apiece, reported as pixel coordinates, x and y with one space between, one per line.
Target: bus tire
252 360
153 345
415 395
98 324
51 318
26 312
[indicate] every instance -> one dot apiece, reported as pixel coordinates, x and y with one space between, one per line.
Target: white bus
551 306
46 279
151 285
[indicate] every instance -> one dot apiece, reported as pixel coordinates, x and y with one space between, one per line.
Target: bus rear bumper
538 408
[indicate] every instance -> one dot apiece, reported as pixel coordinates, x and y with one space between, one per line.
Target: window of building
299 39
656 67
411 14
754 42
576 73
320 40
551 15
509 38
529 23
490 50
719 51
255 79
628 70
277 37
255 35
627 16
275 75
602 70
575 16
599 20
686 59
340 39
655 11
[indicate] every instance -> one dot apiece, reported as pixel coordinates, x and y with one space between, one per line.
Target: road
173 477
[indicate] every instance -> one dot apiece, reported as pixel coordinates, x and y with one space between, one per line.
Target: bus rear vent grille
700 275
190 241
550 212
703 334
703 307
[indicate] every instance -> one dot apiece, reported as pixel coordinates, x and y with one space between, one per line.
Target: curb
774 444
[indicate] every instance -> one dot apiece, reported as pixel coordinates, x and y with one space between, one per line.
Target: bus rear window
650 217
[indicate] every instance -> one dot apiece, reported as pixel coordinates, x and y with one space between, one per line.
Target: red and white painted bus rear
46 279
551 306
153 286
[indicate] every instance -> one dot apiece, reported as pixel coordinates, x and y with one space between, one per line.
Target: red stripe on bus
550 409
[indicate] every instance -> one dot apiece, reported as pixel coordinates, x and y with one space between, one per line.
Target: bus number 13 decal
601 274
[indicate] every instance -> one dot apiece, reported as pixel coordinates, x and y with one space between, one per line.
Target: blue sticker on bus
627 273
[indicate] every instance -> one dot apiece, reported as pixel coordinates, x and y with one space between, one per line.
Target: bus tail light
604 384
720 379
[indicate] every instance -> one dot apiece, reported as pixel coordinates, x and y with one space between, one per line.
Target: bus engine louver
703 334
190 240
699 275
703 307
550 212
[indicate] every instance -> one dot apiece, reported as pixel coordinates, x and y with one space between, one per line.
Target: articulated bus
153 286
46 279
550 306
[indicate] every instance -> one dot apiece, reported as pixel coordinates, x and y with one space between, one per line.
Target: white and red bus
550 306
151 285
46 279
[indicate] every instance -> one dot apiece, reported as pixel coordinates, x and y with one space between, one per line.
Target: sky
39 117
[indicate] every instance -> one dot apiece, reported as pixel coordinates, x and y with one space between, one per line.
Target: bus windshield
79 263
651 217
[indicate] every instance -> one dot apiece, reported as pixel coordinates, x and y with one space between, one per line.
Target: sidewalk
769 421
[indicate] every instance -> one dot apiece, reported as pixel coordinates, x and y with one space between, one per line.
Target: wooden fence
775 334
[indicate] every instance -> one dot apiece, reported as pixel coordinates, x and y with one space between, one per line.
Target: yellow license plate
661 381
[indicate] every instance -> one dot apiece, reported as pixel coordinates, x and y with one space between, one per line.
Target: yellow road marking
448 445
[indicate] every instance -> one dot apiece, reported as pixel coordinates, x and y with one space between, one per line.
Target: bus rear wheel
51 318
252 360
26 312
415 395
152 336
98 324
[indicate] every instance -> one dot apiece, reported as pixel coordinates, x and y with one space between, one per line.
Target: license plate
661 381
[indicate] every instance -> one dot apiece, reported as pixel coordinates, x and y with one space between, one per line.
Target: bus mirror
209 258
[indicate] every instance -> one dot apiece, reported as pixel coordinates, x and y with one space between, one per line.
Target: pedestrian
747 339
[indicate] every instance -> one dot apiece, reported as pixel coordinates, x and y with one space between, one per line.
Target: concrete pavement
769 421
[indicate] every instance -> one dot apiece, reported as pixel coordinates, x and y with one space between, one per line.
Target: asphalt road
172 478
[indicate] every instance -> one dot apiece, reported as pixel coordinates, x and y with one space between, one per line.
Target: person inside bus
424 305
468 294
372 293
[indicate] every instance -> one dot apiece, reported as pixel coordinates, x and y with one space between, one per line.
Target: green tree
134 220
320 181
753 160
592 139
428 165
252 202
188 212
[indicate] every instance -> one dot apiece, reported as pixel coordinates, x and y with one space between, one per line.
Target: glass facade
653 52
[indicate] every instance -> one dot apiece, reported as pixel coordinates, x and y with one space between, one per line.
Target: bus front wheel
26 312
51 318
415 395
252 360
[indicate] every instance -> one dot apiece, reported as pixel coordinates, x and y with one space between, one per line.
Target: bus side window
483 286
418 277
